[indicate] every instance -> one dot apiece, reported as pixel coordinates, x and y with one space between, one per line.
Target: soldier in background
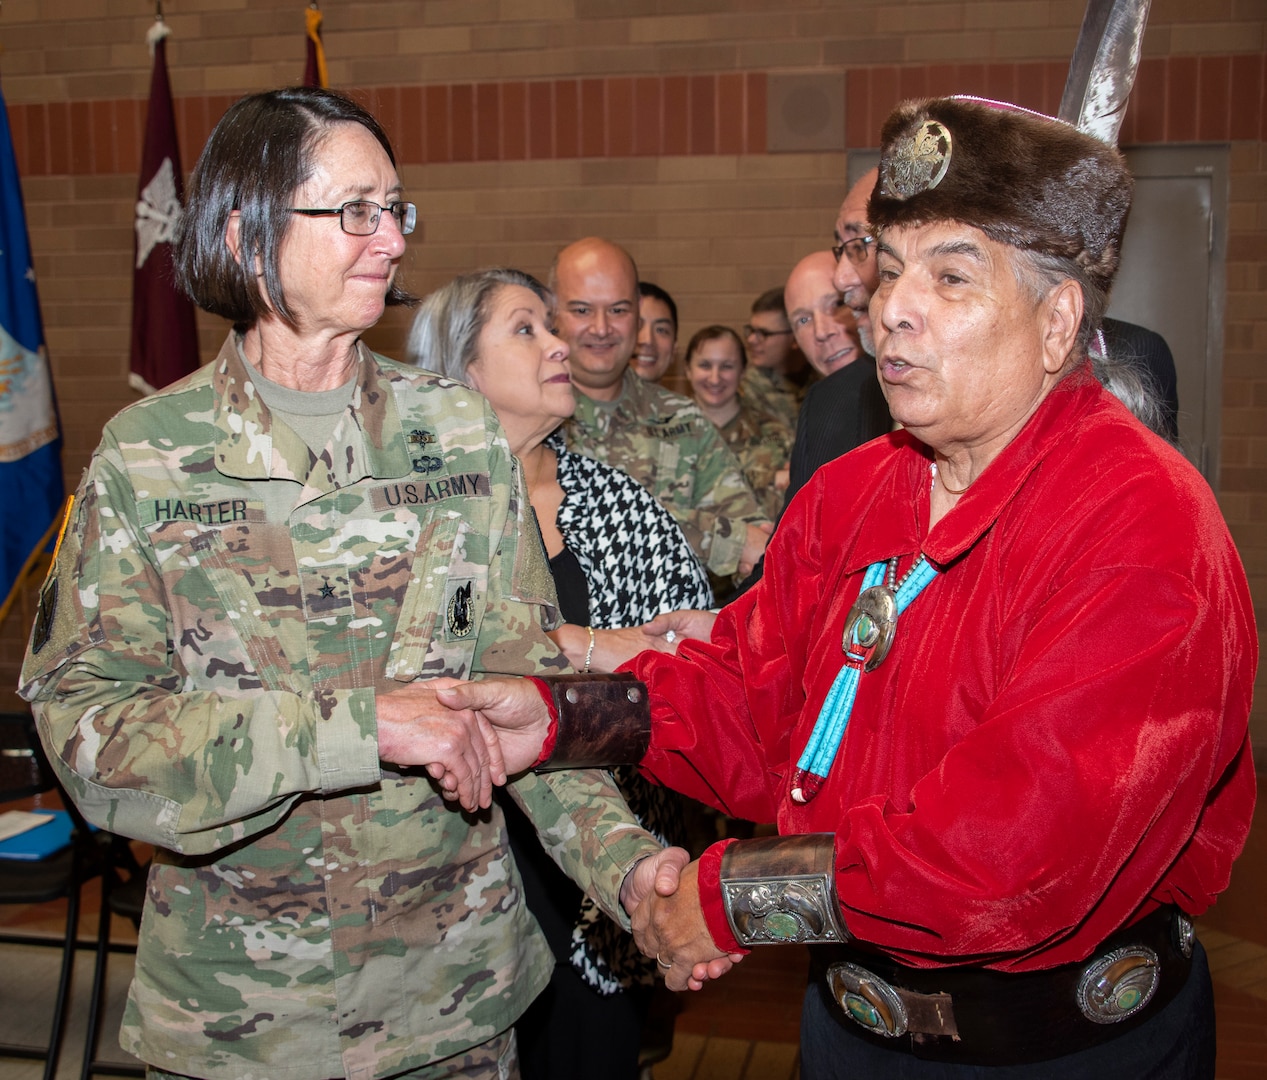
657 332
271 566
715 363
659 438
777 374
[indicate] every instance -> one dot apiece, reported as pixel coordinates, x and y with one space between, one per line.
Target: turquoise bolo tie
867 639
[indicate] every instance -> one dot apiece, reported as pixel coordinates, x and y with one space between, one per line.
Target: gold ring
661 962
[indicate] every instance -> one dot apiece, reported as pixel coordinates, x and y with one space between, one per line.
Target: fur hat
1022 178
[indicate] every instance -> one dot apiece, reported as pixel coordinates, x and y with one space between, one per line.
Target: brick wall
522 124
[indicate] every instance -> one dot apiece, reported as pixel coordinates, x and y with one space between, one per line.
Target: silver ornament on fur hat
1022 178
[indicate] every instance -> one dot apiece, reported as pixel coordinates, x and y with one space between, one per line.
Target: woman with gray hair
618 559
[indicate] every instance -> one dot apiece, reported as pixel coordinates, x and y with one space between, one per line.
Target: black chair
122 893
25 772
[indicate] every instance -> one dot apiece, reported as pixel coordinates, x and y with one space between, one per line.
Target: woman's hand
611 647
757 536
656 873
459 749
665 631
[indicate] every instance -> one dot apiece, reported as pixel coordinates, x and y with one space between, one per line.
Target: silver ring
670 636
661 962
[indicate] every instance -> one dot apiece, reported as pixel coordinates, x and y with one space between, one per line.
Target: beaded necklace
867 638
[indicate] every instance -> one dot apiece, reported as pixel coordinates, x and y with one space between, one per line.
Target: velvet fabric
1057 742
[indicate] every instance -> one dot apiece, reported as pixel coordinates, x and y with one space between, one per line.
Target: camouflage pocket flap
442 609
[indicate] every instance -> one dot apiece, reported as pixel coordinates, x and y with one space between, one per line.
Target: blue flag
30 440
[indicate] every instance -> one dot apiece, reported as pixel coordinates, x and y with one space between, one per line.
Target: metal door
1172 279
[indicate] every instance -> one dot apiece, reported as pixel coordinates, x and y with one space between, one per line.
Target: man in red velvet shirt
994 685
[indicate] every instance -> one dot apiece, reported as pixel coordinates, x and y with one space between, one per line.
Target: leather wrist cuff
603 720
782 889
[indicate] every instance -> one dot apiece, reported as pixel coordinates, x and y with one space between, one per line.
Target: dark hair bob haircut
260 152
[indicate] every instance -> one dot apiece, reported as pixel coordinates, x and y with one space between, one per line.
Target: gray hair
1040 272
1131 384
449 322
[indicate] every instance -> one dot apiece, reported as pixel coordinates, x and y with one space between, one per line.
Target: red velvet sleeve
723 711
709 881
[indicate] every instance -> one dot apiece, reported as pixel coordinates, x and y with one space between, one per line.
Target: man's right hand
669 925
514 708
457 749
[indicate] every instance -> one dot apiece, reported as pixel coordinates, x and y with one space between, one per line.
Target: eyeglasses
857 249
765 335
361 218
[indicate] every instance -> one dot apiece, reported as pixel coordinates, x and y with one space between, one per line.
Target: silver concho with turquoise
1119 984
867 999
871 624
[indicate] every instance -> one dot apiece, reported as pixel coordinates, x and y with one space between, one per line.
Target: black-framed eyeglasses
857 249
361 218
765 335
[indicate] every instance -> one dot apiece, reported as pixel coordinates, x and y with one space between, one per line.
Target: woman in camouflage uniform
265 564
715 362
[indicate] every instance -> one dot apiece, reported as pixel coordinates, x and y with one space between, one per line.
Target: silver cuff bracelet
781 889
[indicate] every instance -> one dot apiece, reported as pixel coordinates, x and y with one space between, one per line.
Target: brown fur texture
1022 179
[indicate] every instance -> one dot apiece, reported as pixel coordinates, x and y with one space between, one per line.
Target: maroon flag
164 335
315 68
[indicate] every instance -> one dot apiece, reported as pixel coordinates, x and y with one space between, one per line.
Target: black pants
1176 1044
571 1032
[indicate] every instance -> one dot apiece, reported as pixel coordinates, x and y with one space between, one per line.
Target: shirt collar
907 483
250 445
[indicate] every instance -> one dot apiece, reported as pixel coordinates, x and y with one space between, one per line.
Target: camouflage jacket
763 446
223 609
673 450
772 394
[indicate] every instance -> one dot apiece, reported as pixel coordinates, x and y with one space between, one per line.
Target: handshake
471 736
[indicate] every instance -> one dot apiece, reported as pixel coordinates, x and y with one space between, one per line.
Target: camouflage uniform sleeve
522 604
140 748
724 504
581 818
586 827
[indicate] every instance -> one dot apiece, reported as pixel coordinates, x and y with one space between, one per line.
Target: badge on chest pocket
459 610
441 613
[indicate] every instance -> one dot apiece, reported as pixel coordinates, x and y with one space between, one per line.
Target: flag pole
315 73
164 331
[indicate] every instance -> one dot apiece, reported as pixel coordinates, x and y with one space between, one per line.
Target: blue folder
40 842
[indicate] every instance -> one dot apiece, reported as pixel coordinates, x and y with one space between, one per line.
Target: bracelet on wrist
589 653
